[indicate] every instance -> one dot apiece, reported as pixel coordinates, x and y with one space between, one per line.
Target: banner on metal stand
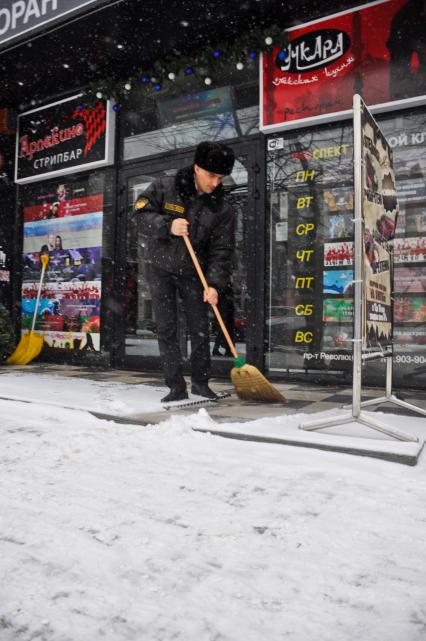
376 211
379 213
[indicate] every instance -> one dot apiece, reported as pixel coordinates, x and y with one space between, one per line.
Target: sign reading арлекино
63 137
20 16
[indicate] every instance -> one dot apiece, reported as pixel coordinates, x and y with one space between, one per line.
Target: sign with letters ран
18 17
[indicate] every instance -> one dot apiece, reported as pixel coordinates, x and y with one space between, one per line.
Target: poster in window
338 254
338 281
64 221
410 250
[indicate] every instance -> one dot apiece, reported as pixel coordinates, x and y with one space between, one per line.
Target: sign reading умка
19 16
63 137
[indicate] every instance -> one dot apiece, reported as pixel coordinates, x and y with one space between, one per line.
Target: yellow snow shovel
249 383
31 344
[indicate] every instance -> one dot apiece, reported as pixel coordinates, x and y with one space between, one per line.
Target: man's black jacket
211 227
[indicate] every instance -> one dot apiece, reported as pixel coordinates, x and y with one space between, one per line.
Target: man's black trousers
165 287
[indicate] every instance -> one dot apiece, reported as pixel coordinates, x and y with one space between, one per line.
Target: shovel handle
44 261
206 286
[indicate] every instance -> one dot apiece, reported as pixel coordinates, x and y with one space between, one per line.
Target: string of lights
206 65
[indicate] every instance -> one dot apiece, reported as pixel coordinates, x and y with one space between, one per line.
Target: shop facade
80 168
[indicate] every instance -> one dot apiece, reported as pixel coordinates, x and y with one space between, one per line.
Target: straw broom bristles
251 385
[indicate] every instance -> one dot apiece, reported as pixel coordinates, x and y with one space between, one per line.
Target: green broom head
239 362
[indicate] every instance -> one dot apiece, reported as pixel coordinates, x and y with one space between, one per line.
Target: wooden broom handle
206 286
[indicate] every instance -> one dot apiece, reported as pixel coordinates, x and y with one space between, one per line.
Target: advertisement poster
70 308
410 309
338 310
379 211
372 50
339 199
410 250
340 226
411 222
412 192
338 281
338 254
410 279
62 137
337 337
64 221
215 105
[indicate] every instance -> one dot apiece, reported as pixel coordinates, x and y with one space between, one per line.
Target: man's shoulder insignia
141 203
179 209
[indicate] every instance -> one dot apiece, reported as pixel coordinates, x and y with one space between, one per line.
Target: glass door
135 323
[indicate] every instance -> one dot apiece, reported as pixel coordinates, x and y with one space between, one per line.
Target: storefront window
64 220
310 270
310 308
406 135
188 114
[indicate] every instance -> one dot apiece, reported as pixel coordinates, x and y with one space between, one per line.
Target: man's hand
179 227
211 296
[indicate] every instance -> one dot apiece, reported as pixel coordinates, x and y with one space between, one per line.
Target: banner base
364 420
391 398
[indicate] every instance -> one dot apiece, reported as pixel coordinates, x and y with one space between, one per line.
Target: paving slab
116 396
350 438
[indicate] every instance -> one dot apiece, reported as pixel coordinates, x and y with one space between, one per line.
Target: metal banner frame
359 343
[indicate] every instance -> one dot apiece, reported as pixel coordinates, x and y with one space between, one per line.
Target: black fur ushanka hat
215 157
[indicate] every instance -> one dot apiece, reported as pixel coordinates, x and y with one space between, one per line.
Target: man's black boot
202 389
175 394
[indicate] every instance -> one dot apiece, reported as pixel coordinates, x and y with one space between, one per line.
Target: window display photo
64 221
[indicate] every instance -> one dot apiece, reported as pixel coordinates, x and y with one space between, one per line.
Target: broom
249 383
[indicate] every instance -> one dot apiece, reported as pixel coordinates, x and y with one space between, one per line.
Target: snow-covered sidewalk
119 399
139 403
118 532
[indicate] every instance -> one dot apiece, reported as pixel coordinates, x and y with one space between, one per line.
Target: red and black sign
62 137
376 51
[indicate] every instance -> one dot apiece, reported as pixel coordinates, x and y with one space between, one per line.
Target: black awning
117 38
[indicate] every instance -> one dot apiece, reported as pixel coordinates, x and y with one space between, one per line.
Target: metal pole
389 373
358 258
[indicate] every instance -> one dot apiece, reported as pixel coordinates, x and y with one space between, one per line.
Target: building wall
157 132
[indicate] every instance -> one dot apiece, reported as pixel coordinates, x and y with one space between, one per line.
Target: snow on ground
118 532
105 397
